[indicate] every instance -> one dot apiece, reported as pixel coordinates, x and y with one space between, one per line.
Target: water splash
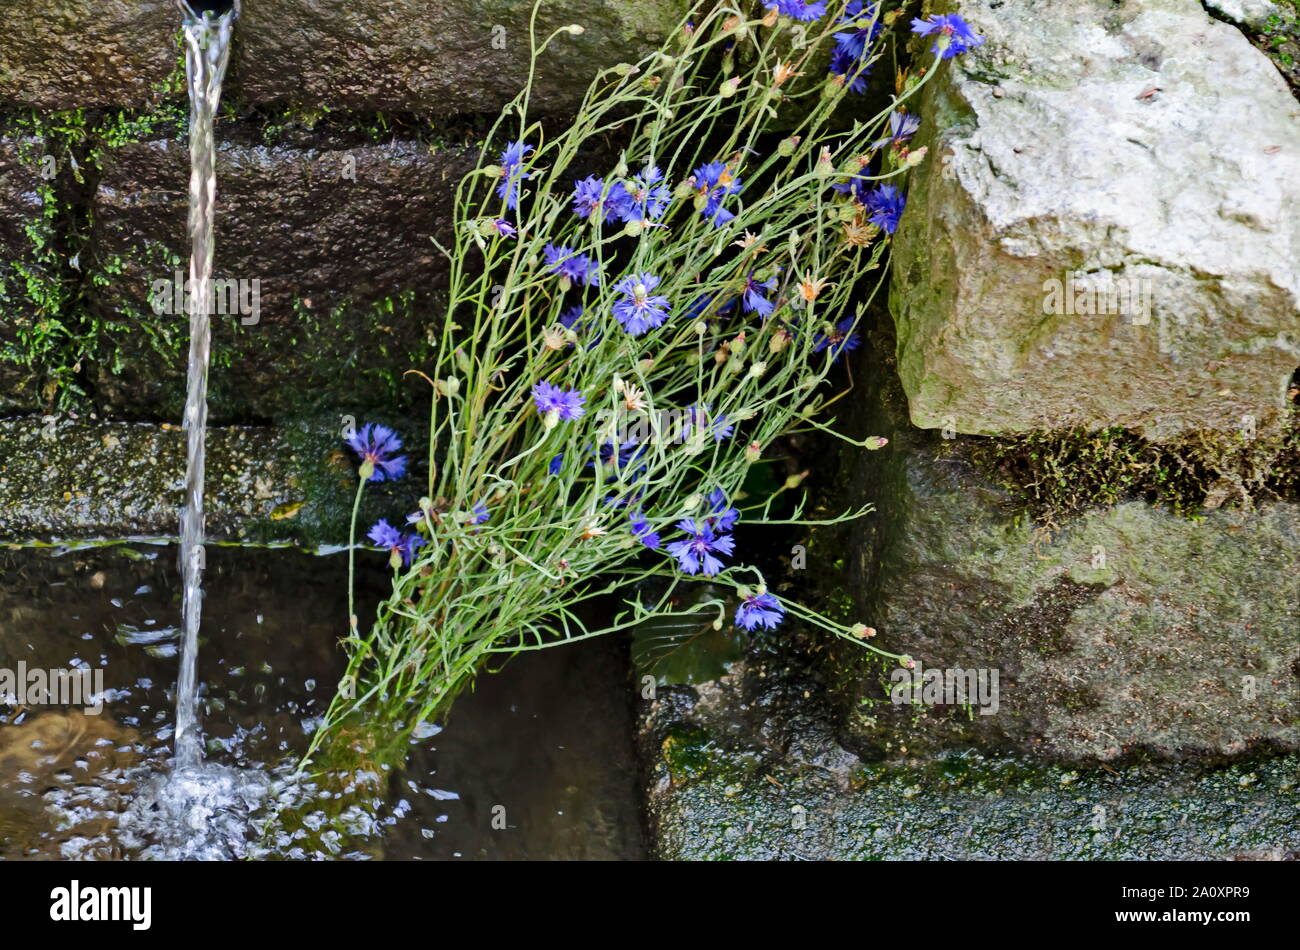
207 53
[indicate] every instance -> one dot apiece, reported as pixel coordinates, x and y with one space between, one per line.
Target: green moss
1057 474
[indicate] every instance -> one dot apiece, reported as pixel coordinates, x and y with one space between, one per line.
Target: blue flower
695 554
511 162
884 207
902 126
759 610
572 266
646 199
864 25
643 532
842 337
954 34
505 228
753 297
858 186
799 10
566 404
555 464
590 196
701 415
479 514
707 306
627 464
714 181
386 536
849 70
640 310
378 445
721 516
570 317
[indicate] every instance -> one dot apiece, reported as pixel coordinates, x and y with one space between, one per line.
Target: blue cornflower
570 265
695 554
714 181
640 310
759 610
902 126
555 464
849 70
701 415
643 532
753 297
589 196
386 536
955 35
505 228
646 199
721 516
799 10
627 463
562 405
859 184
511 161
570 317
864 25
378 445
707 306
479 514
884 207
842 337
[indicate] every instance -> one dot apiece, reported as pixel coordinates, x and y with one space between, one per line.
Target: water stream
207 53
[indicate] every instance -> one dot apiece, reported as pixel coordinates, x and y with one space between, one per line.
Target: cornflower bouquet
618 351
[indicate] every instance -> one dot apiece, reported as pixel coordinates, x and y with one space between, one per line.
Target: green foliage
556 548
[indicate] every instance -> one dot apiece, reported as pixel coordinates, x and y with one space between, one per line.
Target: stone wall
346 128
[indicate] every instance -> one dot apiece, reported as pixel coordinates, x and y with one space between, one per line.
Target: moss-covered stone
1125 631
62 480
66 54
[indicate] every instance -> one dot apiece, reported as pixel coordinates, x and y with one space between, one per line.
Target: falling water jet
207 53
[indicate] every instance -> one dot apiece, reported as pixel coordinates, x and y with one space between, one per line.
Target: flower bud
917 157
794 481
787 146
862 631
753 452
574 29
729 88
877 442
633 228
756 370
